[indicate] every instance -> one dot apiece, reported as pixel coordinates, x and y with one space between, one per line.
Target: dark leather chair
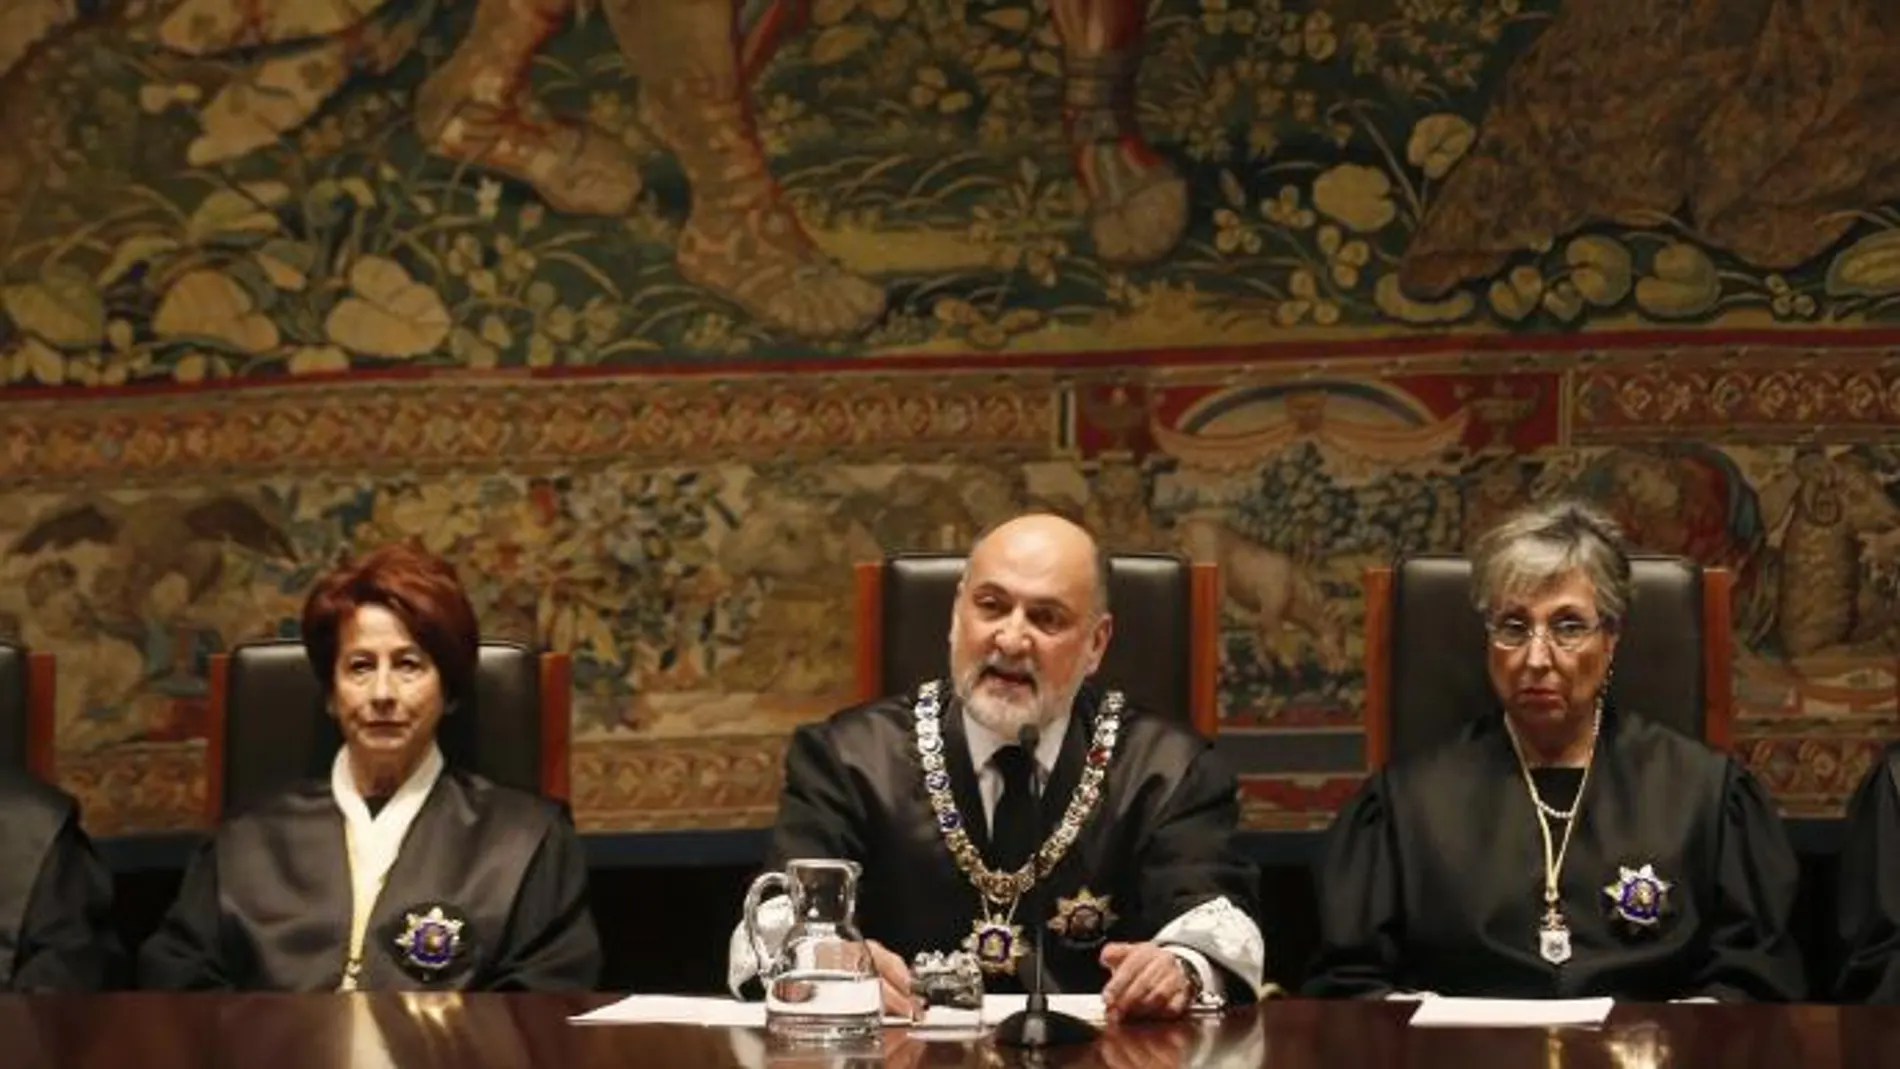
269 727
1164 654
1425 652
26 710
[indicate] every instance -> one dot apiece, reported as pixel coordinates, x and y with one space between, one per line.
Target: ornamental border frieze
431 425
665 784
1840 395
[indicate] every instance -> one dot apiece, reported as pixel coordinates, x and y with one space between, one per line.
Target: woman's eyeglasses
1568 635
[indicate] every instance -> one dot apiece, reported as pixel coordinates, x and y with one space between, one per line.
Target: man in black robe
1558 846
1868 915
56 931
1121 822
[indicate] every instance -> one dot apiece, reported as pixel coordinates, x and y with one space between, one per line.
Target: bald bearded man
1121 822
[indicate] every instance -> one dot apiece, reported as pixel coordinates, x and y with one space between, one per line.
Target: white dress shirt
989 779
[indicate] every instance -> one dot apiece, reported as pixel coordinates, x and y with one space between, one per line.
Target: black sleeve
1867 915
1191 857
551 943
819 814
67 939
1751 954
186 953
1361 927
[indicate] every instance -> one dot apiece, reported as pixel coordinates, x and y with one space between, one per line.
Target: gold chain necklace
994 940
1553 932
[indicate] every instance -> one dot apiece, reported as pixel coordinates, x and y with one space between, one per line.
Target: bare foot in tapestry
692 59
478 107
1137 201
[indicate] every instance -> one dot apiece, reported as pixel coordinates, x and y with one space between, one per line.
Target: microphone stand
1037 1026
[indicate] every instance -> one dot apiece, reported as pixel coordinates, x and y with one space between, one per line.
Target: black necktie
1016 830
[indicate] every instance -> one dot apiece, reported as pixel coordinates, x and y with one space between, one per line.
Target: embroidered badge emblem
430 940
1638 897
1083 921
997 945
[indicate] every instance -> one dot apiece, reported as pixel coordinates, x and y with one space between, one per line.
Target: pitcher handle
753 896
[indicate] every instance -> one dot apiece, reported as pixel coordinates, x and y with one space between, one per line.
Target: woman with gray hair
1558 846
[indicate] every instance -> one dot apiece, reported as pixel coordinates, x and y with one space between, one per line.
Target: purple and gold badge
430 939
1638 897
997 946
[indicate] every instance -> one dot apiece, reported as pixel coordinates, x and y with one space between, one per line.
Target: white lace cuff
742 962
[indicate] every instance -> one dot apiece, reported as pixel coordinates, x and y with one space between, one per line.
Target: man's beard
1006 716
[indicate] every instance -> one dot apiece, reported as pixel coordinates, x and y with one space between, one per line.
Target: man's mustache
997 664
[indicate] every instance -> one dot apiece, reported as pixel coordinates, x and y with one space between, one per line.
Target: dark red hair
420 588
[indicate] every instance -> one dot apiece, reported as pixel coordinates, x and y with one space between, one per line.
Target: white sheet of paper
731 1013
677 1009
1510 1012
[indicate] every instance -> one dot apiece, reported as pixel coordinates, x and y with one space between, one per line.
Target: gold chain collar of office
996 942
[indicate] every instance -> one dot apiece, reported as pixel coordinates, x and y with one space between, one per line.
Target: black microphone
1037 1026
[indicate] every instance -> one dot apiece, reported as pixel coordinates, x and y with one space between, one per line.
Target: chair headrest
13 706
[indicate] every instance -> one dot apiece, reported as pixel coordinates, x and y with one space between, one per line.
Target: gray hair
1539 545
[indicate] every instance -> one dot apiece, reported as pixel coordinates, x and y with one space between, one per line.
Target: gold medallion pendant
998 945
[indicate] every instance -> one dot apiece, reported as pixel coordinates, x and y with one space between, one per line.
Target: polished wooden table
382 1031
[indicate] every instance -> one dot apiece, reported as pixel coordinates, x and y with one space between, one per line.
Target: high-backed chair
1164 655
269 726
1425 652
26 710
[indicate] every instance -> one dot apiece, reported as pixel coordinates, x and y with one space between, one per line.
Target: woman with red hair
398 872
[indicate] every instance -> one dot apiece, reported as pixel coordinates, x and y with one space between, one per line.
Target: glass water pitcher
821 986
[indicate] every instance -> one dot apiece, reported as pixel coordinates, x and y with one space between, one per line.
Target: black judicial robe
1432 877
1868 917
1159 842
265 905
56 929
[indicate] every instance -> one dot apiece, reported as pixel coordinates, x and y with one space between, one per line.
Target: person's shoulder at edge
19 787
